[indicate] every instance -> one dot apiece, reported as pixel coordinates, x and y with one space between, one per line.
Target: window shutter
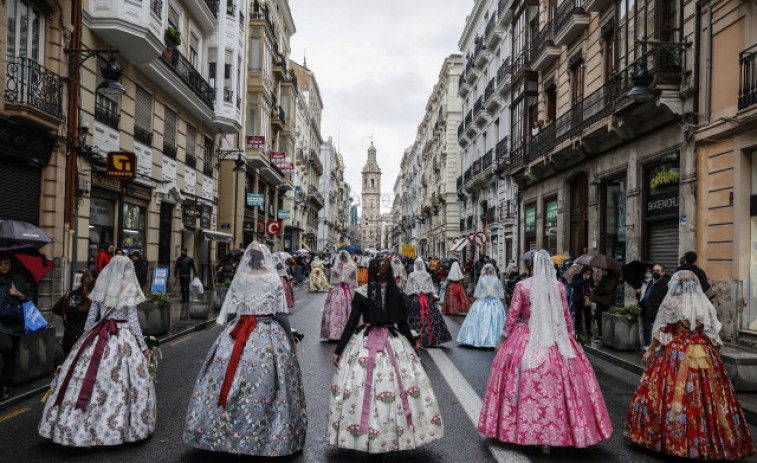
143 109
169 135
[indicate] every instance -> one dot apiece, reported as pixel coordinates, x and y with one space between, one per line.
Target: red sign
470 237
424 241
255 142
273 227
122 165
480 238
455 240
261 227
278 156
286 167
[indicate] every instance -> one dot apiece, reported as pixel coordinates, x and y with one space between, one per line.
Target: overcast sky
376 63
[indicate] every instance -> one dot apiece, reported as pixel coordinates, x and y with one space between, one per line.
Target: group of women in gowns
248 398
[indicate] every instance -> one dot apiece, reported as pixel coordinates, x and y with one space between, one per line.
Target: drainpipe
708 69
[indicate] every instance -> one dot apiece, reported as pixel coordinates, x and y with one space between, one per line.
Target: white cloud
376 64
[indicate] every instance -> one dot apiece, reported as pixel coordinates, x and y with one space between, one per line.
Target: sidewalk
181 325
734 357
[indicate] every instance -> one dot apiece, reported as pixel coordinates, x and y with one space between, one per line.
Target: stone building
371 202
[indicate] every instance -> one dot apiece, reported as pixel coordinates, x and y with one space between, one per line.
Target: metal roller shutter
20 190
663 244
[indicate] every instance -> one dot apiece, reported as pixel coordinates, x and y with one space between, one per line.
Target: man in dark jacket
690 259
140 267
604 296
650 302
185 268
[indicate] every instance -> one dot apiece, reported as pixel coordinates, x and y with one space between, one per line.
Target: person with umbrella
604 296
583 285
15 289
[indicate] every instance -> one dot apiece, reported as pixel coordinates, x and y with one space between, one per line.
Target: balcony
471 73
502 155
204 12
33 91
494 100
747 77
143 136
462 136
516 157
316 163
596 5
571 20
482 54
494 32
505 12
315 196
189 75
480 117
214 6
504 77
459 183
191 161
135 28
107 116
544 52
265 168
462 87
521 63
169 150
301 159
470 129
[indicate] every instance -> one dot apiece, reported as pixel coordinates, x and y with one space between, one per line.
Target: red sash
240 334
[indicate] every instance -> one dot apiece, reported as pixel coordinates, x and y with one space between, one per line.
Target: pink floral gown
558 403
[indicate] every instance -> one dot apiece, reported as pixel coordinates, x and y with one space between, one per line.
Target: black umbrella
633 272
16 232
232 254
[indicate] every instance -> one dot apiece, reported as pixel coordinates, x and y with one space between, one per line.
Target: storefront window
550 226
133 238
101 220
530 227
614 235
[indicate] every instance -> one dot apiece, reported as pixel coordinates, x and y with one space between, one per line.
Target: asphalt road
458 375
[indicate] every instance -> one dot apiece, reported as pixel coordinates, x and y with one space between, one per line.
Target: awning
460 245
212 235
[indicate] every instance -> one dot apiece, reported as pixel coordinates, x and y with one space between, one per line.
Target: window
208 168
191 146
577 84
608 51
550 94
26 27
212 60
173 17
106 108
650 19
255 55
169 133
252 118
372 186
228 93
194 45
143 117
230 7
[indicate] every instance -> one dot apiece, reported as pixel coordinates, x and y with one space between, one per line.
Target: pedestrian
433 270
317 280
484 322
336 310
456 300
685 404
103 256
140 267
604 295
423 314
542 389
248 398
74 307
381 398
690 264
103 393
653 297
399 273
281 271
119 252
184 270
583 285
15 289
478 267
362 270
640 293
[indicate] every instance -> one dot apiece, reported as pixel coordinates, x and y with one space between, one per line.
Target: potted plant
172 37
155 313
620 328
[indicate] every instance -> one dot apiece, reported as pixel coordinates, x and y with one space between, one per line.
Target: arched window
372 186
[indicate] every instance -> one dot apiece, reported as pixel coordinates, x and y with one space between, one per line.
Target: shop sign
261 226
206 212
105 182
551 221
255 142
278 156
121 165
249 226
273 227
284 214
663 176
255 199
138 192
424 241
286 168
663 204
530 223
408 250
189 215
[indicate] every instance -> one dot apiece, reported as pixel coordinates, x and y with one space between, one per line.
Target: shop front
529 228
662 212
549 241
104 216
613 219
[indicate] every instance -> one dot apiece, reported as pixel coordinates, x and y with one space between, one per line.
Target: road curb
42 389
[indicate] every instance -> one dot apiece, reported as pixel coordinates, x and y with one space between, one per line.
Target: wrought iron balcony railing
187 73
207 169
567 9
502 6
169 150
487 160
501 152
748 77
475 168
28 82
156 6
489 89
504 70
468 119
490 25
460 129
459 183
543 39
521 61
106 116
143 136
477 106
461 81
214 6
191 161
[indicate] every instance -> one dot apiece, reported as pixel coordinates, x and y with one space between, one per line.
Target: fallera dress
456 301
317 280
483 324
286 280
248 398
559 403
381 398
685 404
336 310
103 393
423 314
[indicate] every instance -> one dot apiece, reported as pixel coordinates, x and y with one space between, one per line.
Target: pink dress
559 403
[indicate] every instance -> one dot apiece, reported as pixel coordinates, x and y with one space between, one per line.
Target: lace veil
455 274
685 302
280 267
344 270
419 281
398 270
547 326
117 285
489 284
256 288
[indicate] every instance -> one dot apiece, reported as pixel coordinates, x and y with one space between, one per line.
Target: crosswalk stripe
470 401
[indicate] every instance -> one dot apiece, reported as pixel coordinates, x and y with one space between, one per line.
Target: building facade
371 202
328 188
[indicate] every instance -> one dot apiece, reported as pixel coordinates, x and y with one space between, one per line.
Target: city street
458 374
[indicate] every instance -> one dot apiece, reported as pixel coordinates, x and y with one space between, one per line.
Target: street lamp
110 86
239 168
641 92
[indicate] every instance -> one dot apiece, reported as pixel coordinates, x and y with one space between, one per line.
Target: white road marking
471 402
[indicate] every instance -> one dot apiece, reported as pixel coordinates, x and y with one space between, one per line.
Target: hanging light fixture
110 86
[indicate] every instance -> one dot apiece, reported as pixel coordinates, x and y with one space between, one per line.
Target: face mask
647 275
656 275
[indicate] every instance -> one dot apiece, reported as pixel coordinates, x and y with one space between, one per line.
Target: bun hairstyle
255 258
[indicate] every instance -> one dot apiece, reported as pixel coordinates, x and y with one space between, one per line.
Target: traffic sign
471 236
480 238
273 227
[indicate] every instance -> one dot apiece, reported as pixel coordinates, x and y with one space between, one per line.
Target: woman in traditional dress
248 398
381 397
399 273
483 324
362 270
456 300
281 270
336 311
103 393
685 404
317 280
423 314
542 390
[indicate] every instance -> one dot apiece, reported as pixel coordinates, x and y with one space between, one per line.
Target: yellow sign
408 250
121 165
343 244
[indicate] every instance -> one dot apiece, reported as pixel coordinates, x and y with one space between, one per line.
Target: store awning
222 237
460 245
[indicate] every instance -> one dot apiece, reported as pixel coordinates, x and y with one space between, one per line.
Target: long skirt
336 312
264 413
456 300
318 280
379 405
121 405
559 403
288 292
483 324
427 320
685 404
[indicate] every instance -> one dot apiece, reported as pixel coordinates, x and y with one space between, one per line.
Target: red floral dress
456 300
685 404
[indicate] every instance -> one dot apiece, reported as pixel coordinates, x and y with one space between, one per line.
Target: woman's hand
146 352
17 293
645 357
336 360
499 346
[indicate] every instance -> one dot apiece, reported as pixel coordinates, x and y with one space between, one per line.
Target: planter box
619 333
154 319
35 356
200 305
219 295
